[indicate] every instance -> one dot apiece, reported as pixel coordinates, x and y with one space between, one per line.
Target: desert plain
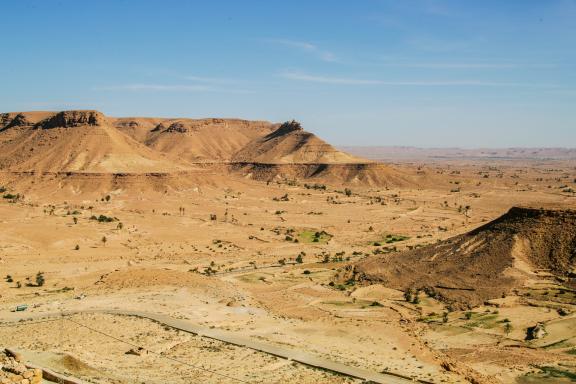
267 242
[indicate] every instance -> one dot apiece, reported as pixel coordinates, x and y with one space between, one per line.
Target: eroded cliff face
67 119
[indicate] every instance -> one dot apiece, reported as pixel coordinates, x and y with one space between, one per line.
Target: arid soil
262 256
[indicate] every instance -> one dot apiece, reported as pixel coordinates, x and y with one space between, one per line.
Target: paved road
235 339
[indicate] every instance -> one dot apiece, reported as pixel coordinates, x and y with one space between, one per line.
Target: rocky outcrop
14 370
159 128
176 127
4 119
287 127
536 332
67 119
19 120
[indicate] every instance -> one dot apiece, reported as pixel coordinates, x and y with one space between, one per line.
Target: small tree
507 328
299 259
408 295
40 279
104 240
348 192
77 247
466 209
75 219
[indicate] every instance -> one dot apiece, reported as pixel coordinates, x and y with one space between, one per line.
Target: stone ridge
67 119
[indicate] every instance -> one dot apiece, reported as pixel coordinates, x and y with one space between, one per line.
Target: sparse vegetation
40 279
103 219
309 236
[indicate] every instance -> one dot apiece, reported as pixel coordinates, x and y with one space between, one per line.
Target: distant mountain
413 153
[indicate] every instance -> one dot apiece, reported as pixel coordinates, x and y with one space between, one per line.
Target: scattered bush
299 259
10 196
40 279
103 219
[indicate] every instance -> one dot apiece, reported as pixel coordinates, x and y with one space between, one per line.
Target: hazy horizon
428 73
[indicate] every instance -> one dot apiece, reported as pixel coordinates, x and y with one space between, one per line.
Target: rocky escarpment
8 121
67 119
287 127
372 174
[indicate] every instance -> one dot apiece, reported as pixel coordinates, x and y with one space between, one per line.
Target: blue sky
429 73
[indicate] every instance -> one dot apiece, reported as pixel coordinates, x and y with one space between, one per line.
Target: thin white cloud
419 83
465 65
328 80
210 80
455 65
152 87
305 47
167 88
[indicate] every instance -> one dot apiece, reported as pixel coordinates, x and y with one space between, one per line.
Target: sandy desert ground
261 260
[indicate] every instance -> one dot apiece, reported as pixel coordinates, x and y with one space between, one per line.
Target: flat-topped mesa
67 119
86 141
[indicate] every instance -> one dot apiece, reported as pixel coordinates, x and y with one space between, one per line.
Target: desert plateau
287 192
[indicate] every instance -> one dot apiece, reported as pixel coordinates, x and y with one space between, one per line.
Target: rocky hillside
75 142
290 144
485 263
